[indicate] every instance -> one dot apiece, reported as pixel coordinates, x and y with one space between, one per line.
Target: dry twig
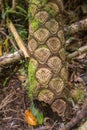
17 37
80 51
13 4
10 58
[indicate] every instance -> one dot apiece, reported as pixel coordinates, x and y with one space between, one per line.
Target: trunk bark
47 66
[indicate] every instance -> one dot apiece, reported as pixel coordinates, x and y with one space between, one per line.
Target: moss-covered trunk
47 65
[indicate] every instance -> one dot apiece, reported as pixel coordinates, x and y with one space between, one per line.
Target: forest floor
13 96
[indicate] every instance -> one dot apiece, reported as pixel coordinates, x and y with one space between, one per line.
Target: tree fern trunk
47 65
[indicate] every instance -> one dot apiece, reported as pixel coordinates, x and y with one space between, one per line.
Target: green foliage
20 9
37 114
23 33
8 11
4 13
6 81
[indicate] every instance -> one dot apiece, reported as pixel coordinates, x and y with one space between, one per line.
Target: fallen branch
10 58
76 27
17 37
80 115
80 51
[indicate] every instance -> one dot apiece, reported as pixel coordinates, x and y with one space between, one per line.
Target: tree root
10 58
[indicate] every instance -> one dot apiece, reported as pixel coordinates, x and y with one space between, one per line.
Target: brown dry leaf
29 118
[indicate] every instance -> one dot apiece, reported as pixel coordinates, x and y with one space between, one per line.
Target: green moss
78 95
31 76
35 23
34 6
43 2
39 2
43 46
50 10
31 11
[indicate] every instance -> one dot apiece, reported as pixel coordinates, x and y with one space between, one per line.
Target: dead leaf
29 118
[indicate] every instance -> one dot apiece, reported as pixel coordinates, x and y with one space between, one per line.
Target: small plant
37 114
19 11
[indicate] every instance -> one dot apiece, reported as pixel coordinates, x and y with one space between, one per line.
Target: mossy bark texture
47 52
